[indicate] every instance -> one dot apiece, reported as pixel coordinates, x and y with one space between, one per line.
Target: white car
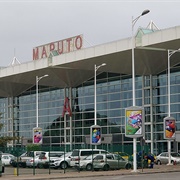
63 162
46 157
6 158
79 154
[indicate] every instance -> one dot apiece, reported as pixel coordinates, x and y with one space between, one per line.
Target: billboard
95 135
37 135
134 122
169 128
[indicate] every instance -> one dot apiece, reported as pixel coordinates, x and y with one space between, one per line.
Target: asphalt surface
83 174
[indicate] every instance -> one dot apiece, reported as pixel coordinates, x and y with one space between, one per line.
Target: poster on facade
95 135
169 128
134 122
37 135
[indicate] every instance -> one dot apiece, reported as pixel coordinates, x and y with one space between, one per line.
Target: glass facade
114 94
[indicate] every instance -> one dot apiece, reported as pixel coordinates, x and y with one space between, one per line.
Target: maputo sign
59 47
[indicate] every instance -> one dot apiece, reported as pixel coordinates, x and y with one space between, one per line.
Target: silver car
163 158
110 161
33 162
103 161
86 163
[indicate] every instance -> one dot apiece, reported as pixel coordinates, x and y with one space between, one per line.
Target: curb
84 174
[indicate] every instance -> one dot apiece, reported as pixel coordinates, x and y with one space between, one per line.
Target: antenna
15 61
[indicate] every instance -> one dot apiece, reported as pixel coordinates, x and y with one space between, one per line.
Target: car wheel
106 167
128 166
172 162
64 165
89 167
24 165
40 166
158 162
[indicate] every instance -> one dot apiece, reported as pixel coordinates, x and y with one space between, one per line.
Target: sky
25 24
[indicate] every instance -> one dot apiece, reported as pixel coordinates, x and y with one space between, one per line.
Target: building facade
18 102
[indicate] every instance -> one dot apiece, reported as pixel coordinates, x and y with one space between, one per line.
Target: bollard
15 171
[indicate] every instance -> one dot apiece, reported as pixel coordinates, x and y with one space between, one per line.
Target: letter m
35 53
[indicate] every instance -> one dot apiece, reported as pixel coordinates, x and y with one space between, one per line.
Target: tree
33 147
5 139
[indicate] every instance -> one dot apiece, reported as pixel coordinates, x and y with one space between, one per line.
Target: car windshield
66 154
12 157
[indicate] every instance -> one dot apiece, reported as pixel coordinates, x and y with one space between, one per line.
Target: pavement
83 174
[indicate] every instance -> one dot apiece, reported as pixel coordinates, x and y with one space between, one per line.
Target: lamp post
95 109
133 44
95 106
133 83
37 80
170 53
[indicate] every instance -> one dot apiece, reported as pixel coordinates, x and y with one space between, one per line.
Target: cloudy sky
25 24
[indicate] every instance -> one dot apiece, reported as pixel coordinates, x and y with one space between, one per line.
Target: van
79 154
45 157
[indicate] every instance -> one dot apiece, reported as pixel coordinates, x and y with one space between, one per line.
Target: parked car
46 157
123 155
79 154
21 160
86 163
110 161
6 158
163 158
33 162
63 162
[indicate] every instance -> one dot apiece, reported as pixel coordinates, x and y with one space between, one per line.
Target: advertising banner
169 128
95 135
37 135
134 122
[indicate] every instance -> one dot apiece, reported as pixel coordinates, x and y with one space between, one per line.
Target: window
109 157
99 157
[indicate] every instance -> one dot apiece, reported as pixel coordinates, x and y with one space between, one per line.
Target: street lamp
170 53
95 107
133 83
133 45
37 80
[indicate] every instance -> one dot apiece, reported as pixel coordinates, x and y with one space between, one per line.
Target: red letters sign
60 47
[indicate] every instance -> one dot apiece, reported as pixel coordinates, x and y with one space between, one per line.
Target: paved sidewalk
156 169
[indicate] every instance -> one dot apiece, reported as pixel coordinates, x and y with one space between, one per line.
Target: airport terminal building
66 97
